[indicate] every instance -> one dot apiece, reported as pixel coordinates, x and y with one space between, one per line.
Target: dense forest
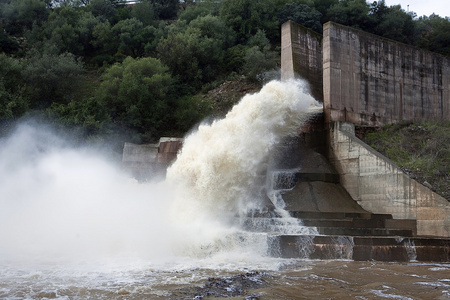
100 68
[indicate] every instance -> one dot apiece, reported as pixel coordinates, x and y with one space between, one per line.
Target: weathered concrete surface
168 149
379 186
369 80
319 196
301 56
360 248
307 179
147 160
140 153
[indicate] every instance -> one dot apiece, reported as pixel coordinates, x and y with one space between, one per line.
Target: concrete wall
301 56
147 161
369 80
379 186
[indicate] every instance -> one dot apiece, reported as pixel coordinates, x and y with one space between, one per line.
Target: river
284 279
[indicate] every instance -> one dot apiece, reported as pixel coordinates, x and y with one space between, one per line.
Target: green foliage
235 58
258 58
10 73
211 40
103 39
200 9
196 54
22 14
420 149
190 110
129 37
393 22
51 78
88 117
103 10
257 62
245 17
178 51
135 93
434 34
164 9
144 12
323 6
8 45
301 14
68 29
12 103
353 13
130 42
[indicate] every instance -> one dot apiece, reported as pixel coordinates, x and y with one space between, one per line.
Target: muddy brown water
293 280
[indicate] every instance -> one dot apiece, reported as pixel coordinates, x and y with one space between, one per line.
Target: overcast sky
423 7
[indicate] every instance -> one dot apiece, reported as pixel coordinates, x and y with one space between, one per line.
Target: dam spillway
320 219
311 192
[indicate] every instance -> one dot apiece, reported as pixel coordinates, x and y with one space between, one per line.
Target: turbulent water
73 226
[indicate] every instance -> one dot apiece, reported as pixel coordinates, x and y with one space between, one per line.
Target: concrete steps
361 248
337 226
360 237
356 224
364 231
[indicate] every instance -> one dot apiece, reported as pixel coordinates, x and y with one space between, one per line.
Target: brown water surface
293 280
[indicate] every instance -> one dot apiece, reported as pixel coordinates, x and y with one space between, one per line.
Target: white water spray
220 164
57 202
220 172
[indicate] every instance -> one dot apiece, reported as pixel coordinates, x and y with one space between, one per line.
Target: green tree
69 29
133 38
393 22
20 15
301 14
144 12
200 9
323 6
51 78
103 10
196 55
7 44
165 9
245 17
189 111
177 51
434 34
12 103
354 13
86 116
135 94
258 58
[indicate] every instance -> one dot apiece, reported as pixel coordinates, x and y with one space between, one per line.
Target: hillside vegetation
110 70
422 150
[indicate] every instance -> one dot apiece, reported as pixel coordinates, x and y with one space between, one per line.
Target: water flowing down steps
343 235
360 237
334 225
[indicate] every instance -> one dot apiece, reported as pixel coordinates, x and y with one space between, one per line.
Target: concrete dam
360 205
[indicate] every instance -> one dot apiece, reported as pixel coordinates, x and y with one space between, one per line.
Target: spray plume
218 169
57 201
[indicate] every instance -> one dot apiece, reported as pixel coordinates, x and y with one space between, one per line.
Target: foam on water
60 204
